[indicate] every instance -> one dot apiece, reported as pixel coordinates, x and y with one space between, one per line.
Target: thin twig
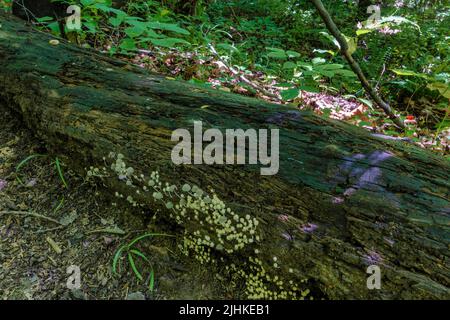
31 214
108 230
48 230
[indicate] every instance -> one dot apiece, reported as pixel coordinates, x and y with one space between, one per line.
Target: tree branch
331 26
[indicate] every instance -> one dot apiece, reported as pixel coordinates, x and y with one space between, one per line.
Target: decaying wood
342 200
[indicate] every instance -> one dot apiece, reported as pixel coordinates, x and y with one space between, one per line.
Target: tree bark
343 199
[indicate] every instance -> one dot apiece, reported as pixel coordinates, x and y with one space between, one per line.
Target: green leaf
61 176
402 72
227 47
23 162
140 254
65 221
318 60
44 19
54 27
150 34
326 112
363 31
323 72
91 25
108 9
352 44
364 123
86 3
290 94
128 44
133 266
276 53
292 54
331 66
168 42
151 285
134 31
444 89
289 65
116 21
346 73
366 102
305 65
148 235
112 51
398 20
331 39
443 125
116 258
168 27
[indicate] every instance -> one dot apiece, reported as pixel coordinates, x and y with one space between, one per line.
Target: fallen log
341 202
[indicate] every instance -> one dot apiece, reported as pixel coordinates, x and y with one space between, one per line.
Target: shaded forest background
281 51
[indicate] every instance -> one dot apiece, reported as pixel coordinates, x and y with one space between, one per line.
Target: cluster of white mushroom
222 228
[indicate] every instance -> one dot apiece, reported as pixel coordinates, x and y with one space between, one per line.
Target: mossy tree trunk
343 199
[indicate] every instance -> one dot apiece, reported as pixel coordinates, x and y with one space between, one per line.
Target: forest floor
77 219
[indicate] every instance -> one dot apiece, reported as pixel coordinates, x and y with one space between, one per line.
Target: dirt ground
46 228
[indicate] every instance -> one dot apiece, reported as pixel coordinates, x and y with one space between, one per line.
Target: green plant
131 253
59 206
308 75
57 162
23 163
5 5
60 173
122 32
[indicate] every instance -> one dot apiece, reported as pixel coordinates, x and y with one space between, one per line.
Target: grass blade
116 258
61 202
148 235
25 161
61 176
133 266
140 254
151 285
